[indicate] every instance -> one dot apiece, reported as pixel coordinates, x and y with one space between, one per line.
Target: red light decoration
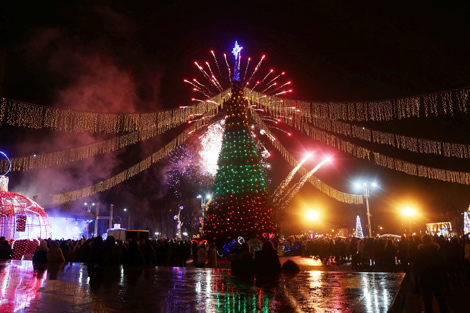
21 223
22 218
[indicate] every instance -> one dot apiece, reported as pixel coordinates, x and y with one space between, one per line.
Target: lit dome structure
22 218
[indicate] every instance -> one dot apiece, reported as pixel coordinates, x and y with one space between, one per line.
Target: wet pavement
73 288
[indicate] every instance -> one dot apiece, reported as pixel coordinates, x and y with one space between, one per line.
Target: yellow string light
124 175
22 114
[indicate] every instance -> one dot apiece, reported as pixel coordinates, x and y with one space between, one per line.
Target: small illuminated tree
359 232
466 223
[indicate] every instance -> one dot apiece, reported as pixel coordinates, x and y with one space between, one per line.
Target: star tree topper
236 71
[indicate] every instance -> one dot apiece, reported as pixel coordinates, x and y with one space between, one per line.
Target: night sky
132 57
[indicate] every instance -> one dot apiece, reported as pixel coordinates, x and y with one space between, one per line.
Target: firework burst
216 79
211 144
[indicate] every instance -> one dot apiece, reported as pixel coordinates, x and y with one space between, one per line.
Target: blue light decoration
236 70
9 162
231 246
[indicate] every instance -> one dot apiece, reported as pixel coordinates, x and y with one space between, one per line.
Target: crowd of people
434 263
99 252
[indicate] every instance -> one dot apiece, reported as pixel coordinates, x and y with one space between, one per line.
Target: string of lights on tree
239 205
240 200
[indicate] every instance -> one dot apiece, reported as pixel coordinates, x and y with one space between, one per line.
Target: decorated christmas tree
359 232
240 199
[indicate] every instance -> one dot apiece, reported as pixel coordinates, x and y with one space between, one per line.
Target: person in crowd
134 255
40 255
149 253
242 261
290 268
467 257
430 268
54 254
111 252
194 248
5 249
389 254
95 257
212 255
83 250
267 260
402 254
201 255
66 250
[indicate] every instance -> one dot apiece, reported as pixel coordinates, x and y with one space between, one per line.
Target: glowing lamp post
89 205
366 188
409 212
128 219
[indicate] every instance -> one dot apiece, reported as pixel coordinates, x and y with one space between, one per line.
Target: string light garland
45 160
378 159
413 144
22 114
317 183
428 105
124 175
388 162
421 170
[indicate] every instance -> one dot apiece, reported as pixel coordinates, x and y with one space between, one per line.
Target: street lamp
203 207
312 216
366 188
89 205
128 219
410 213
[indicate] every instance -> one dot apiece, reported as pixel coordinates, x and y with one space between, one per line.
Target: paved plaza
75 288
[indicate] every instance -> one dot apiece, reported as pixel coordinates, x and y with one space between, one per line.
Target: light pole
203 207
128 219
89 205
410 213
366 188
